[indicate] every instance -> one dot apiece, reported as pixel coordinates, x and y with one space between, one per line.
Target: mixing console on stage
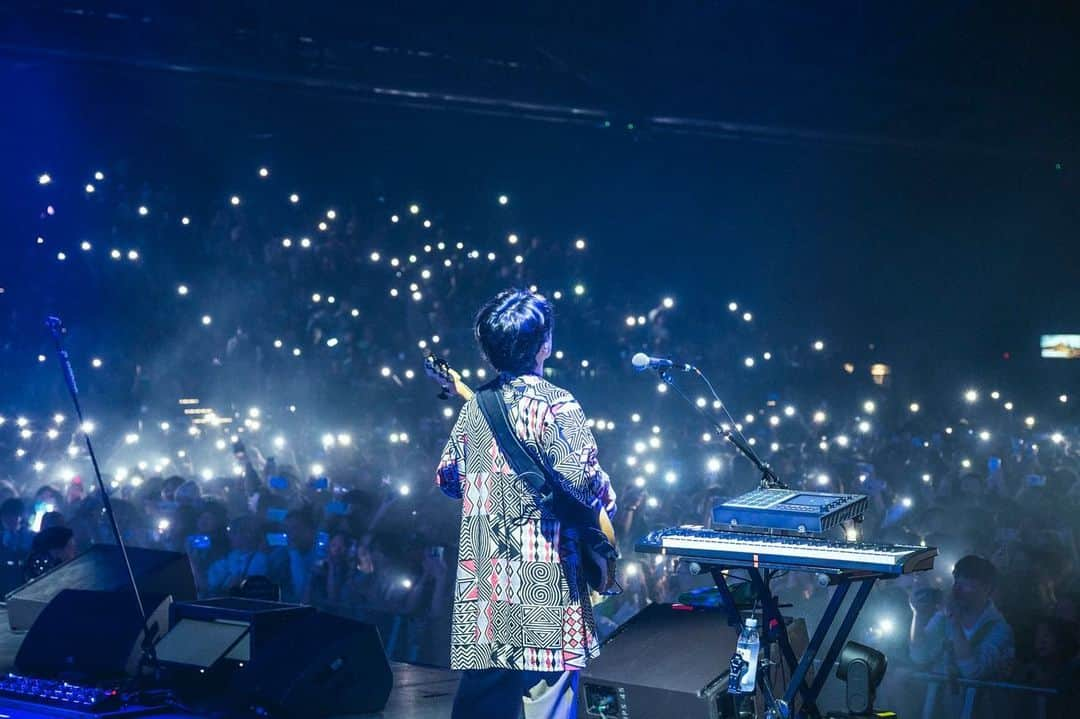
59 698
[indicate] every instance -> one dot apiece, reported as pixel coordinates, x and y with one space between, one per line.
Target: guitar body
596 535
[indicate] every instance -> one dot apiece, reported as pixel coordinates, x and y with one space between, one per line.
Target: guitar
595 531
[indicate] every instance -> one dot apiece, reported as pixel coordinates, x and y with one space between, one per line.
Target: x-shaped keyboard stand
774 625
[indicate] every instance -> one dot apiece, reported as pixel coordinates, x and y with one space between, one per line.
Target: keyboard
796 553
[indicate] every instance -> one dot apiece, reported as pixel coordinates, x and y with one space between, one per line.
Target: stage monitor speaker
320 665
668 660
101 568
91 635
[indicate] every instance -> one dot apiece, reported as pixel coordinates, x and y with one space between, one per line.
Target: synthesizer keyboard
796 553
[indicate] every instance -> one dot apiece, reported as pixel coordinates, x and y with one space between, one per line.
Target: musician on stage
522 622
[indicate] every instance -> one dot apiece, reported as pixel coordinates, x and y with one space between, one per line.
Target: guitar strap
525 466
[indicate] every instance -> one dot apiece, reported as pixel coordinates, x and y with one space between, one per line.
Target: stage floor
419 692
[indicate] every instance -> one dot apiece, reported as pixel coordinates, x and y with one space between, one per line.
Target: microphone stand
56 327
769 480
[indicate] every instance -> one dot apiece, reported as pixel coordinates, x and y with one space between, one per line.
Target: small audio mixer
788 509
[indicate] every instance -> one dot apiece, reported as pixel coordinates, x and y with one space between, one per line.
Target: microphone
642 361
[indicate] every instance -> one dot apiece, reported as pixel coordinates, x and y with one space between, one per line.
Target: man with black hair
967 638
522 623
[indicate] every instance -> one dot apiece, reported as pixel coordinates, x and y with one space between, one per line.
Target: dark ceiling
996 77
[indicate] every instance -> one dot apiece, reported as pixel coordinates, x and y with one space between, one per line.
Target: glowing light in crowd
971 396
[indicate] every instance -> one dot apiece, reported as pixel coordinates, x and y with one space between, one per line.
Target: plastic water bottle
748 647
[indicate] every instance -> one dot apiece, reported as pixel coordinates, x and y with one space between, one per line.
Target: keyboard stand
774 627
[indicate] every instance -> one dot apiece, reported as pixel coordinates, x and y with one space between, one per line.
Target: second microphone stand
769 480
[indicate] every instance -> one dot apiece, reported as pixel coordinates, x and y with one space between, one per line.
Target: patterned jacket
520 599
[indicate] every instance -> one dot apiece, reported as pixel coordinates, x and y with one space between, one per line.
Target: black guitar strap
525 466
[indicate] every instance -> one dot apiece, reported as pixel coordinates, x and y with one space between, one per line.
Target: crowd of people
269 416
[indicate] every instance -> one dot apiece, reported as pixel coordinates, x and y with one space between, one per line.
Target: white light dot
323 226
864 426
869 407
818 345
789 411
305 242
133 255
44 178
732 306
85 246
264 172
971 396
278 343
185 220
579 289
294 198
61 256
332 342
207 319
96 362
661 388
234 200
1029 421
89 188
749 361
747 317
767 356
414 209
914 407
143 210
297 351
1063 398
286 242
1057 438
579 244
819 417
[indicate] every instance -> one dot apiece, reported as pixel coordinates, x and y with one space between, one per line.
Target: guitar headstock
447 377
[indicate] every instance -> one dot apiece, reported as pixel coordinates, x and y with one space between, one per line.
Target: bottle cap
751 622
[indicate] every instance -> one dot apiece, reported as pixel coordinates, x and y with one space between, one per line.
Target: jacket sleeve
928 644
452 462
571 452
